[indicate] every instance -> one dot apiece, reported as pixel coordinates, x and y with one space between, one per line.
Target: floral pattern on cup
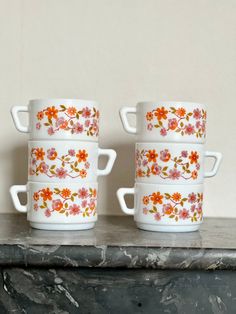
174 206
68 118
74 164
64 201
151 163
177 120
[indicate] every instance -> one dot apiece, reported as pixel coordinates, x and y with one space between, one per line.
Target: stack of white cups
63 157
169 161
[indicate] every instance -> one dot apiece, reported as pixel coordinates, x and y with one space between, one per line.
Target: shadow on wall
122 175
18 159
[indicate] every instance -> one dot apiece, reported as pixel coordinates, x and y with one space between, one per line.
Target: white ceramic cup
167 122
58 206
70 161
64 119
167 163
165 208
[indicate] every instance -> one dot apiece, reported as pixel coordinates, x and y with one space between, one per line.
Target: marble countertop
116 242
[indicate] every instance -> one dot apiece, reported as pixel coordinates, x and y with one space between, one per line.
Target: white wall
120 52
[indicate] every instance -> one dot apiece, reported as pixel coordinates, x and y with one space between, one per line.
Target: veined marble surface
116 242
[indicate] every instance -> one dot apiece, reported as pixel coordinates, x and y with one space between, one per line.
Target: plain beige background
120 52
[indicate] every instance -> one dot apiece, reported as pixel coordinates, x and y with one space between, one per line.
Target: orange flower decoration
156 198
93 192
36 196
180 112
149 116
82 155
65 193
83 173
145 200
161 113
46 194
152 155
139 173
39 153
51 112
40 115
71 111
193 157
176 197
194 174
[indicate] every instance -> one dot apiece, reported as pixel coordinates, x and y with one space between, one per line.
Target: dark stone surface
116 291
116 242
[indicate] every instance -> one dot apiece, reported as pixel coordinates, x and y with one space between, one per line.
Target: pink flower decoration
149 126
172 123
44 167
61 173
145 162
84 204
51 152
189 129
86 112
197 166
193 207
71 152
145 211
198 124
50 131
197 114
184 154
60 121
192 198
87 123
38 125
199 208
157 216
36 207
87 165
163 132
74 209
165 155
83 193
184 214
156 170
174 174
47 213
78 128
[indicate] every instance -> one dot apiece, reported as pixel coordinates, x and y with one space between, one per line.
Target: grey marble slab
116 242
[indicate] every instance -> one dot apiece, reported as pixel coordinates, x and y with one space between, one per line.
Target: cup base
167 228
66 227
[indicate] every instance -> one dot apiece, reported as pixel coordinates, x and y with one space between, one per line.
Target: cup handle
218 157
111 159
123 116
14 190
121 198
14 112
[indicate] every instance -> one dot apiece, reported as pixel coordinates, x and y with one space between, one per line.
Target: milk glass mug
71 161
58 206
173 163
165 208
64 119
167 122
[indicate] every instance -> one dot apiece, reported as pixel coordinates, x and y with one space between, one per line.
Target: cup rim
74 100
180 103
